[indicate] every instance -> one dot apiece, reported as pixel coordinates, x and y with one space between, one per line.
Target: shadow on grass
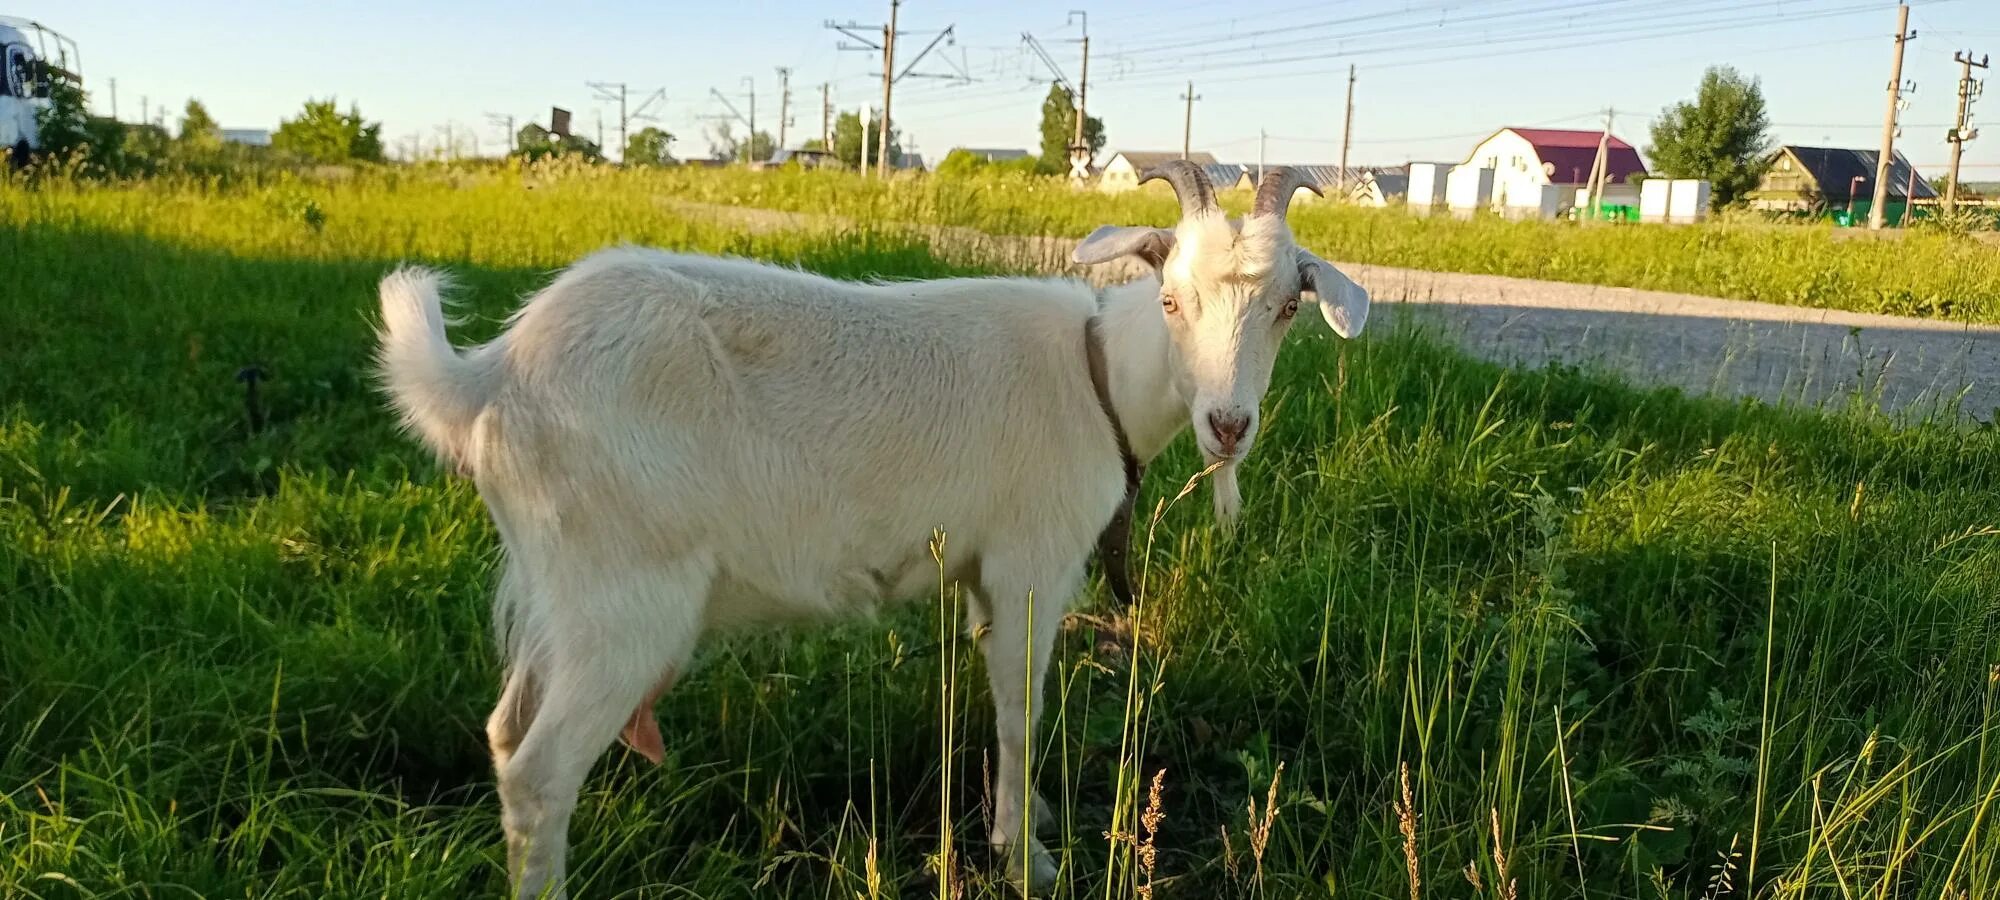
1439 555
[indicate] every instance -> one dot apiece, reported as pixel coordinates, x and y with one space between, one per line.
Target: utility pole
145 110
888 89
750 143
1347 130
1079 149
1187 119
1260 155
784 103
1969 90
1600 167
113 82
504 120
864 141
1878 211
608 91
826 116
887 47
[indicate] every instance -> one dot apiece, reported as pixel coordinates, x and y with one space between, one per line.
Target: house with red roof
1523 160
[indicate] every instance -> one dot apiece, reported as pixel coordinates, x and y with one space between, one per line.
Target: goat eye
1291 309
1169 303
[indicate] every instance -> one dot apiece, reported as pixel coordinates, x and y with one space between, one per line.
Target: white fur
673 444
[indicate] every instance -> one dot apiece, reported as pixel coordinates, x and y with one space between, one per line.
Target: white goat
675 444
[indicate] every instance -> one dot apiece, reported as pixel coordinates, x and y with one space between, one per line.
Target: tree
850 144
199 133
534 142
1059 127
1722 136
69 134
323 134
649 146
724 144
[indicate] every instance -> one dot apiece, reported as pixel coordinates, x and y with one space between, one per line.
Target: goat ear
1343 303
1111 242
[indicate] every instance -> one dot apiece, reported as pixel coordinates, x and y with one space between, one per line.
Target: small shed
1380 189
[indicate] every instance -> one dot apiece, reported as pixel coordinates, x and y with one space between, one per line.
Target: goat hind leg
621 636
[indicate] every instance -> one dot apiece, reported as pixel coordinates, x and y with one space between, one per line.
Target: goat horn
1190 184
1274 192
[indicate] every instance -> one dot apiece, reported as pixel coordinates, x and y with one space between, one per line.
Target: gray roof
1328 176
1223 175
992 154
1835 168
255 137
1391 185
1146 159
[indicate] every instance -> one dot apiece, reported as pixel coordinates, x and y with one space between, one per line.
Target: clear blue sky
1433 74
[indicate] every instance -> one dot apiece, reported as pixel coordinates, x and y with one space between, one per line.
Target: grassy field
1501 633
1926 273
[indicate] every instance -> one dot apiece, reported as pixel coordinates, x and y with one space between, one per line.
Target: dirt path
1780 354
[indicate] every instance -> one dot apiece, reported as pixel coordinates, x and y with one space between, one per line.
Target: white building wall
1517 169
1469 188
1119 175
1427 184
1688 200
1653 199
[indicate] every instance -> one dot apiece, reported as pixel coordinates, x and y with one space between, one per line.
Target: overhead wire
1564 41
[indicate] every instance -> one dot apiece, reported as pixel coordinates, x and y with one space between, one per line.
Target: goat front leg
1025 620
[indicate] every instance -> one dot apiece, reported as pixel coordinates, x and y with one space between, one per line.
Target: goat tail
438 391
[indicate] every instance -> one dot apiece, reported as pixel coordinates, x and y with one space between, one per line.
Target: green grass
1926 273
1609 633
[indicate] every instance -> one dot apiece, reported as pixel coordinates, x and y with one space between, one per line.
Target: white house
1523 160
1121 172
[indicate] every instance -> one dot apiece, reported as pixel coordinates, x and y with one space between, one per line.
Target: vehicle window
21 74
16 82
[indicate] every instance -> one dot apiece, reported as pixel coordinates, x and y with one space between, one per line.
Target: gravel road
1781 354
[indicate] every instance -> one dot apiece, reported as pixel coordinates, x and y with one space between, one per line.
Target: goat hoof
1030 869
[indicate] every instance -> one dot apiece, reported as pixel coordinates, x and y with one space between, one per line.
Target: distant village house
1824 179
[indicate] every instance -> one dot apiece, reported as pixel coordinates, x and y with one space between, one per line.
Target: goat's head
1229 290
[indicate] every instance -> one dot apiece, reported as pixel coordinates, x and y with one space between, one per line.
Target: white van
32 59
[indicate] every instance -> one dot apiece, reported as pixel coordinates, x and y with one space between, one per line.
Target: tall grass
1929 273
1481 632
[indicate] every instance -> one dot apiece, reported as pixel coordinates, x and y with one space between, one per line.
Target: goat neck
1135 355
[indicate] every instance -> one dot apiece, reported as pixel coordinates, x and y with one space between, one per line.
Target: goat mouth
1212 456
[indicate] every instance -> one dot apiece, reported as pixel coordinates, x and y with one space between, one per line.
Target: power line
605 91
504 120
1566 41
1210 46
865 41
1621 28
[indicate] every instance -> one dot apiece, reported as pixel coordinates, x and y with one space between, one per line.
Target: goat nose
1228 428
